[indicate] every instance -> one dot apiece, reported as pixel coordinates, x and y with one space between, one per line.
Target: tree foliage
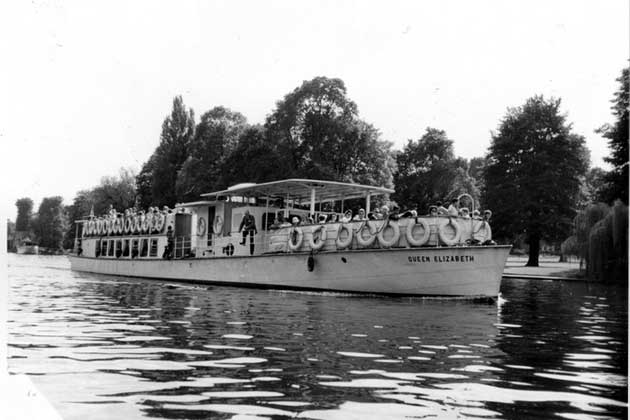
319 135
50 223
533 172
616 181
24 214
429 172
158 177
216 137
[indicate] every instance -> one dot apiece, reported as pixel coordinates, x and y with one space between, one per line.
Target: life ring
443 235
201 226
99 227
160 221
127 224
144 223
90 229
109 226
217 226
343 243
297 234
316 246
370 239
483 232
136 224
394 239
425 236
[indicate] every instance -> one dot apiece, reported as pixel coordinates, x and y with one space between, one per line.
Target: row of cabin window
121 248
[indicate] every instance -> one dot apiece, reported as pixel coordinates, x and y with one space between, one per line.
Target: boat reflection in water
105 347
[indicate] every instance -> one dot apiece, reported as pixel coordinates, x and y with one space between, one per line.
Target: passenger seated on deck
360 215
452 209
487 215
395 213
441 209
464 212
295 221
433 211
409 213
347 216
476 215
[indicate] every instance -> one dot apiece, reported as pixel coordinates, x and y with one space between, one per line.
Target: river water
103 347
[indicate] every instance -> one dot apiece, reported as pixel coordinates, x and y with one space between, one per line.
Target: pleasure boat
301 241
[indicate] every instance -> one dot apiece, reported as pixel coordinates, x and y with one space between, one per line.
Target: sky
85 86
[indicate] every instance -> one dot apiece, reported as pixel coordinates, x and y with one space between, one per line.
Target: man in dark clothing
248 227
170 241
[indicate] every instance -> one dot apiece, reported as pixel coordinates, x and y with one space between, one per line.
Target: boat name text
440 258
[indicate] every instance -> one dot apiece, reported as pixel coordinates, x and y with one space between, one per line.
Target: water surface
104 347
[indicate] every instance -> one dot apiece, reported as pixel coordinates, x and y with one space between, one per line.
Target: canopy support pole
312 202
367 203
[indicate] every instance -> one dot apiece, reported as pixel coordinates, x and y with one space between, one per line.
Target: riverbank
549 268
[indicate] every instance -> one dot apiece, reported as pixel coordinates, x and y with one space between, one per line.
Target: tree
216 137
255 159
25 212
426 170
616 180
533 172
116 191
51 223
320 135
159 176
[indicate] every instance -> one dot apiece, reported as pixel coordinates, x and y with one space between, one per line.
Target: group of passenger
384 212
133 211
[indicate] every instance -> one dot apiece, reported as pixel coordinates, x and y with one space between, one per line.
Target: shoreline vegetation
316 132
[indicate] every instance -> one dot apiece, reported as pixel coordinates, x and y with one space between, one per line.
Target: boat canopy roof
300 190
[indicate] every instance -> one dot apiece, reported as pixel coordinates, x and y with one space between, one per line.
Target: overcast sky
86 85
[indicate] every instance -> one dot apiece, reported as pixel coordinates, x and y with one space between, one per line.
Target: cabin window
153 251
125 250
110 248
118 248
144 247
134 248
104 248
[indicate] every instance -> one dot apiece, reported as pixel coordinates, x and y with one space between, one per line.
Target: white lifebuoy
201 226
296 233
425 235
370 239
144 223
90 229
316 246
108 226
443 235
160 222
99 226
136 224
127 224
482 231
394 239
217 225
343 243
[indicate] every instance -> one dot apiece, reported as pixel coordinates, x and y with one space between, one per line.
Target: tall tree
51 223
616 180
216 137
426 170
533 172
167 160
320 135
25 212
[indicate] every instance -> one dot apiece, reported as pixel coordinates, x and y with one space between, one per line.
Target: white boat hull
440 271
